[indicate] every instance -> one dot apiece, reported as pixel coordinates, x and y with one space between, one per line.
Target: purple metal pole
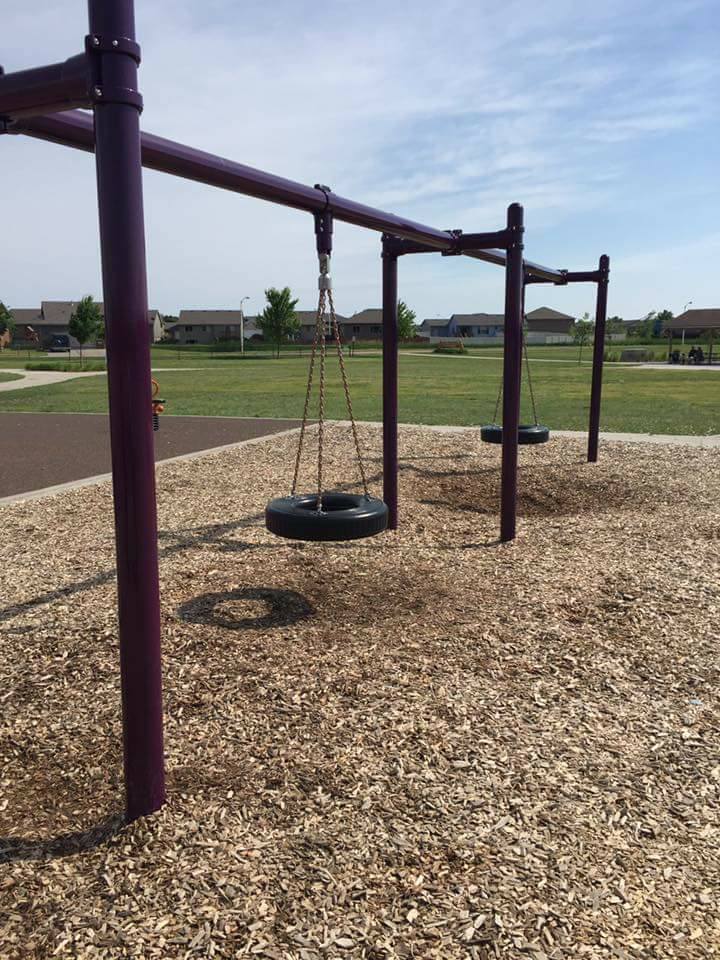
512 367
122 239
74 130
43 90
390 384
598 352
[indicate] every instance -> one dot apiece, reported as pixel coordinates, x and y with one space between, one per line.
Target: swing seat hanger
323 238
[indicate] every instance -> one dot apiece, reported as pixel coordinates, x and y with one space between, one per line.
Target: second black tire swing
326 515
528 433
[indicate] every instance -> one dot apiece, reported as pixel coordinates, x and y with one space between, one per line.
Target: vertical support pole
390 381
598 352
122 242
512 370
670 346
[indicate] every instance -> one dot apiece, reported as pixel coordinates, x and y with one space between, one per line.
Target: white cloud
443 111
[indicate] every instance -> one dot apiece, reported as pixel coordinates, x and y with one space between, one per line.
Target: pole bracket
102 94
95 43
96 47
324 224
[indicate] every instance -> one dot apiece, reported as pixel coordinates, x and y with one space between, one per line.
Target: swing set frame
43 103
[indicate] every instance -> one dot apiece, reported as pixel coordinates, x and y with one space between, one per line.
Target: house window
375 330
188 329
356 329
204 328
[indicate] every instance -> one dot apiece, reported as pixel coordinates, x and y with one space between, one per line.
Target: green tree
86 322
406 321
278 321
613 325
646 328
661 320
582 333
6 319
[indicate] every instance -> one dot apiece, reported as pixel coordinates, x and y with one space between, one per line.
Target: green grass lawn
4 377
434 390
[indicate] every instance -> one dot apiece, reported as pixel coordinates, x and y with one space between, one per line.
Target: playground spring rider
326 516
158 405
528 433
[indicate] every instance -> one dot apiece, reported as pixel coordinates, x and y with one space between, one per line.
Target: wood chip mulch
425 745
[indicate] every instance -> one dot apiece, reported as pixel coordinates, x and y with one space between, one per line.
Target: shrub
66 366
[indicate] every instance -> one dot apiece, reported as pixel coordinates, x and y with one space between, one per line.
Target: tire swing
528 433
326 515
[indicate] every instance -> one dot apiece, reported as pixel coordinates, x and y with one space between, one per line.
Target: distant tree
583 332
278 321
7 323
613 325
86 322
661 320
646 327
406 321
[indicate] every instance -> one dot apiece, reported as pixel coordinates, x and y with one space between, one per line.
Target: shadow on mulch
284 607
65 845
543 490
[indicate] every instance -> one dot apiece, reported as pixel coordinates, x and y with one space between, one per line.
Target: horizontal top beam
75 129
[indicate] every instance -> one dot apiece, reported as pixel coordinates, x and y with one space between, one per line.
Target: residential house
209 326
53 318
544 325
364 325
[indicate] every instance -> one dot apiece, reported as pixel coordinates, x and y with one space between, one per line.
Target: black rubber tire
528 433
345 516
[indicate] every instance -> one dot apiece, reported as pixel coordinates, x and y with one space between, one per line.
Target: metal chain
529 379
499 397
319 340
321 397
307 397
346 388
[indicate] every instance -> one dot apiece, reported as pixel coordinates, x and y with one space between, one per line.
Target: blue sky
601 119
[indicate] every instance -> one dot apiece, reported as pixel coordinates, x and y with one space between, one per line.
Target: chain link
346 388
321 331
318 320
529 380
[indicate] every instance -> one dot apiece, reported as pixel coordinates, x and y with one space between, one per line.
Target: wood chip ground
425 745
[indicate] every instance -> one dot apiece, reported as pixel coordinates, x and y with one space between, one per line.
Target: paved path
39 450
42 378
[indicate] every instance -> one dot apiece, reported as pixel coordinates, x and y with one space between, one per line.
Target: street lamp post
242 326
684 309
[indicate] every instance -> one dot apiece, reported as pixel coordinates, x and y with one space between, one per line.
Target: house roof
435 323
210 318
372 315
708 319
475 319
308 318
57 313
547 313
24 316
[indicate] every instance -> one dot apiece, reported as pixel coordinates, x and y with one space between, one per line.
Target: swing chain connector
323 239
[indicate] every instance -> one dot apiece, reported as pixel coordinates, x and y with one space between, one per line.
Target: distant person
352 346
692 354
699 355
